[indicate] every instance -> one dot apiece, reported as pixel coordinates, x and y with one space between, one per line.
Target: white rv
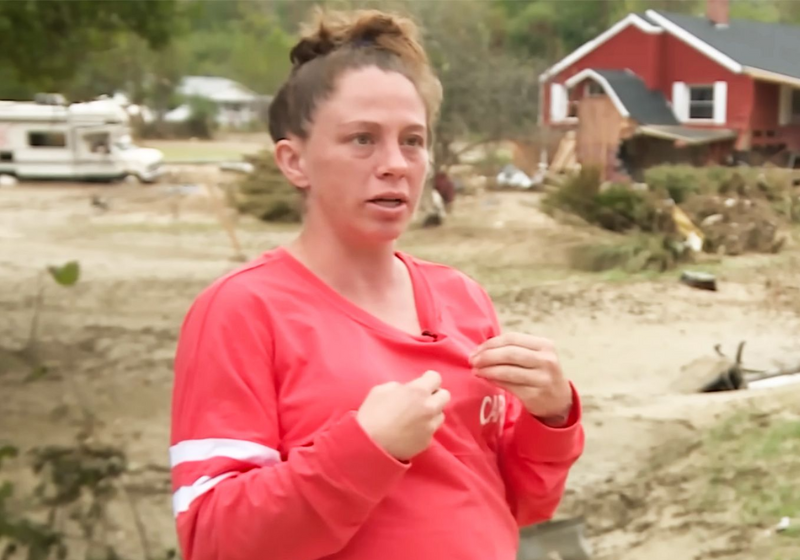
79 142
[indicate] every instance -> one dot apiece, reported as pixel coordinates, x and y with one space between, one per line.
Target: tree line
488 53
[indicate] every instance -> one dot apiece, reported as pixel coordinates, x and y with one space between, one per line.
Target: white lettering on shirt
493 409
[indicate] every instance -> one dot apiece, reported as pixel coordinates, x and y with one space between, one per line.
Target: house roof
217 89
766 50
773 47
644 105
630 95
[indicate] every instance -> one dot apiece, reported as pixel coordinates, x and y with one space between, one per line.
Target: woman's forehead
371 93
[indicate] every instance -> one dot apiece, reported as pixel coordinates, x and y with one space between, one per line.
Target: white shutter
785 106
720 102
680 101
558 102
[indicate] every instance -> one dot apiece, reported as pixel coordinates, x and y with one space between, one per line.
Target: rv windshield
124 143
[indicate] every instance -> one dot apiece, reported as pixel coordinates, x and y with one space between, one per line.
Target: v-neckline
427 310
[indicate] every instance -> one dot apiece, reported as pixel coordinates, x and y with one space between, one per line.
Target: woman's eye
415 141
362 139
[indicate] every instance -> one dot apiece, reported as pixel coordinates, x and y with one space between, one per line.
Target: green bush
680 182
616 207
676 181
266 194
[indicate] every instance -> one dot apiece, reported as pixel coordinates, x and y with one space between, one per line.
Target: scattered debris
691 233
565 158
100 203
184 189
712 374
733 226
783 525
563 539
512 176
699 280
238 167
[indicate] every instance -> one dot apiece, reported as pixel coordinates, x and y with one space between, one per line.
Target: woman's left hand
528 367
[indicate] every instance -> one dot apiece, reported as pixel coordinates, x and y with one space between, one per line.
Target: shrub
266 194
676 181
616 207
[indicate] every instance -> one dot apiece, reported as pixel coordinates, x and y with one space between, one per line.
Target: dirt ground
623 340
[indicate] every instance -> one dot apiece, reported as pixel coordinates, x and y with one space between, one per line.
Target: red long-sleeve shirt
268 460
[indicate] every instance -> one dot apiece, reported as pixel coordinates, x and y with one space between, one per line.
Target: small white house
237 105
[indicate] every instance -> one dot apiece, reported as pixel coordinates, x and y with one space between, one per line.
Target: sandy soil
110 342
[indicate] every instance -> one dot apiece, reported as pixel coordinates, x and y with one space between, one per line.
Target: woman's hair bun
330 31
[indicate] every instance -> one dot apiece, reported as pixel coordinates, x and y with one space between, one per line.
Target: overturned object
699 280
563 539
713 374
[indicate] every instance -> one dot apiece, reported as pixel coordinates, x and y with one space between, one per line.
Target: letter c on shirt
492 408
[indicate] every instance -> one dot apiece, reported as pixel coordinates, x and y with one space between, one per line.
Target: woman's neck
354 271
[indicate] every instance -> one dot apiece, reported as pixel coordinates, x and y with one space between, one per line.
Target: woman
337 398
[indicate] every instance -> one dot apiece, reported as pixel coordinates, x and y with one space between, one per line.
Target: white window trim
785 115
794 118
682 102
591 74
559 102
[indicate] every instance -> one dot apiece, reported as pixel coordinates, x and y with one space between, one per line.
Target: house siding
682 63
765 122
766 106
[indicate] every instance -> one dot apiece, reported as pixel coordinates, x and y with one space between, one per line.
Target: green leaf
7 451
37 373
66 274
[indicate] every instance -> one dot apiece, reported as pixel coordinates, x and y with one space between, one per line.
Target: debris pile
736 225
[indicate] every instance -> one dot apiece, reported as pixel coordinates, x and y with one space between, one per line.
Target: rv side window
98 142
47 139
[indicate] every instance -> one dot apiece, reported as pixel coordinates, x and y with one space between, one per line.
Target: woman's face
365 159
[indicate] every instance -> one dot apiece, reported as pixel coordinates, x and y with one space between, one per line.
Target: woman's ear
289 158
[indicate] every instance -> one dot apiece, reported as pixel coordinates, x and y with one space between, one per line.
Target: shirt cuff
363 464
538 441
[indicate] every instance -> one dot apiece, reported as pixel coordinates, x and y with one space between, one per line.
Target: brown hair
335 42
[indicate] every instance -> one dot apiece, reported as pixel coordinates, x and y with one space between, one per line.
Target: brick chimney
718 12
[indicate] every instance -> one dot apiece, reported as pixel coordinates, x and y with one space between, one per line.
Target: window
47 139
701 102
796 105
98 142
593 89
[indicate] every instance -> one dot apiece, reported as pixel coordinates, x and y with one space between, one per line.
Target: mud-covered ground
651 452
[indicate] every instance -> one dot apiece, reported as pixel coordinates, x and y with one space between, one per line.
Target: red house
659 87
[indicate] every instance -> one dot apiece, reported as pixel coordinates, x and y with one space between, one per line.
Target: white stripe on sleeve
204 449
185 495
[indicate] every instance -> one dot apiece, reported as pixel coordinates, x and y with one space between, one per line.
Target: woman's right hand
402 417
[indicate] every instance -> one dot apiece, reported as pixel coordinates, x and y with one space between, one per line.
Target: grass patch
634 254
753 465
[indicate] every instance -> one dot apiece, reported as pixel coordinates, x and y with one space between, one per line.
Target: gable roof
630 95
644 105
765 50
636 20
217 89
773 47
